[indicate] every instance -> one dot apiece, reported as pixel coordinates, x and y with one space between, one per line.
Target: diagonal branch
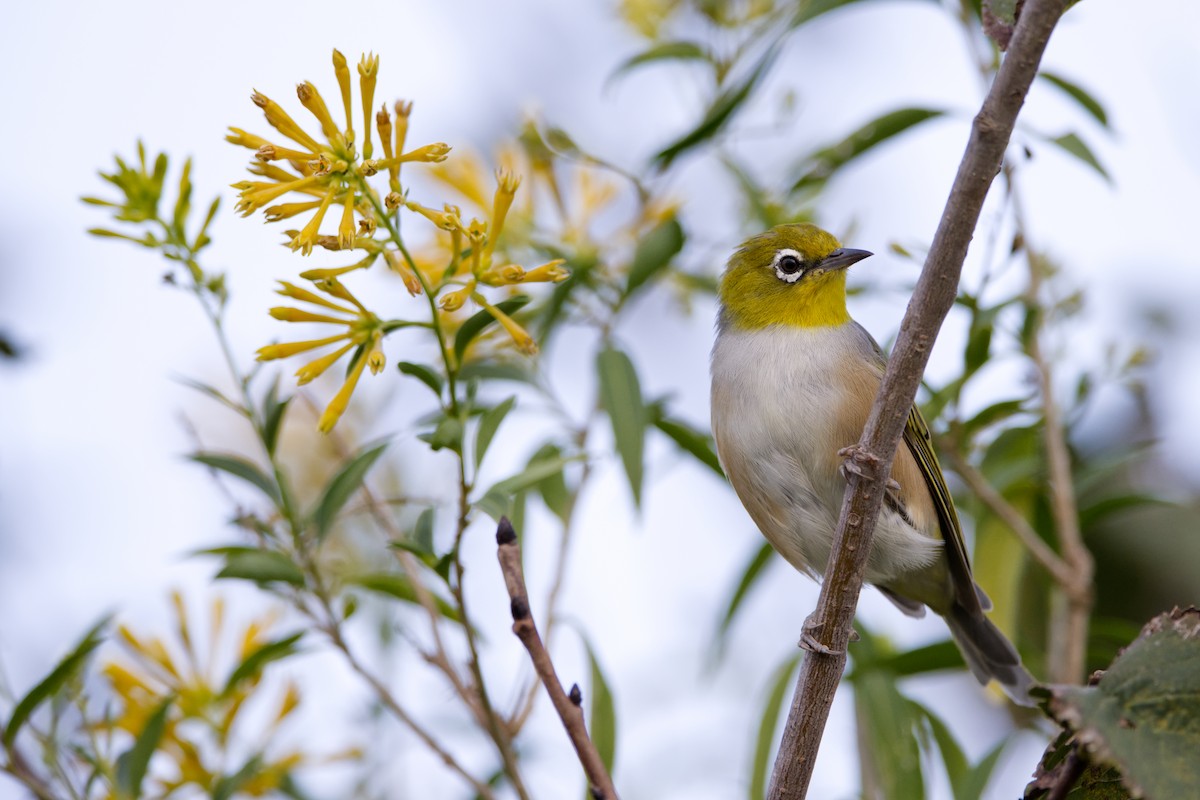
932 299
568 707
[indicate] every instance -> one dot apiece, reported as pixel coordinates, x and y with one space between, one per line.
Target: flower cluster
311 175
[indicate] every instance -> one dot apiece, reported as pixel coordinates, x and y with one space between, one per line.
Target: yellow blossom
453 301
447 219
368 68
551 272
337 406
308 236
342 71
503 276
311 99
283 123
506 189
520 336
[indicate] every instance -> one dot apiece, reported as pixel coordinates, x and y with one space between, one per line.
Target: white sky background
98 508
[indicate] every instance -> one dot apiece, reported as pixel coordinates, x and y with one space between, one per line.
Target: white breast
775 394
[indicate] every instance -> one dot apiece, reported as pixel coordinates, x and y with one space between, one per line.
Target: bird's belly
779 417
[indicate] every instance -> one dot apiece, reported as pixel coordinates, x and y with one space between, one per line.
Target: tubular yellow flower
317 275
383 123
346 227
270 152
430 153
288 314
243 139
313 369
342 70
551 271
403 110
308 236
311 99
337 406
520 336
256 194
453 301
376 361
446 219
286 210
272 352
393 200
503 276
506 189
368 69
396 261
281 122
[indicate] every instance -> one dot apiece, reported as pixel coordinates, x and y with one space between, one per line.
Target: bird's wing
916 436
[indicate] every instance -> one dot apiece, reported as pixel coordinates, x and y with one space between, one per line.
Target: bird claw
854 457
808 638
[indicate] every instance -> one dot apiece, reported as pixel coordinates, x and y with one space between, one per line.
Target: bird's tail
989 654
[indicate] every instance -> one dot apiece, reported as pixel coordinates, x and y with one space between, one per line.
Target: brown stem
932 299
568 708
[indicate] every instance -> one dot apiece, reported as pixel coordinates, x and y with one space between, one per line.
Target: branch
872 457
509 553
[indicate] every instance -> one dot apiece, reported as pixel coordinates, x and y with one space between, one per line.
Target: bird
793 381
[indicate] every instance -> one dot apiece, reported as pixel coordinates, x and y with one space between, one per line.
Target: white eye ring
789 265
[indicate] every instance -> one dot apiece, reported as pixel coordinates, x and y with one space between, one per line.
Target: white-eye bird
793 380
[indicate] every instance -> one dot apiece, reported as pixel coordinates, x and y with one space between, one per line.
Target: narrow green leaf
979 347
957 767
997 412
214 393
260 566
603 713
476 324
399 587
423 531
822 164
810 10
552 488
273 411
495 504
654 253
133 763
750 575
691 441
425 374
1095 512
1080 95
760 765
229 785
240 468
936 657
448 434
977 778
254 663
721 111
621 397
890 752
1071 143
666 51
489 423
183 201
532 474
343 486
53 683
485 371
202 238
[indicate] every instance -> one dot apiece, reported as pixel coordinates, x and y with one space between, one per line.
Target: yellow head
790 275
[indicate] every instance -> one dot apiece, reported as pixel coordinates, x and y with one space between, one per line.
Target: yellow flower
550 272
363 330
520 336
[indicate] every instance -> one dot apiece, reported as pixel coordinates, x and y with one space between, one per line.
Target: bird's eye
789 265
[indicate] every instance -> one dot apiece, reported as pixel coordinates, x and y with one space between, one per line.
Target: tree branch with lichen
568 706
871 459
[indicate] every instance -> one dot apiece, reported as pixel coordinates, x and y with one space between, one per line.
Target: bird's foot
854 460
808 638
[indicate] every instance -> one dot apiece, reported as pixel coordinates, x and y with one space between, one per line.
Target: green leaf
750 575
489 423
343 486
495 500
552 488
889 751
997 412
603 713
761 763
690 440
133 763
977 778
202 239
229 785
214 393
425 374
448 434
423 531
240 468
721 111
665 51
1096 512
1071 143
53 683
484 371
183 202
654 253
399 587
260 566
254 663
1141 715
476 324
621 397
273 412
822 164
935 657
811 9
957 767
1079 95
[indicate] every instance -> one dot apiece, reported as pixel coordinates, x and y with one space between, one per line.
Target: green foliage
621 398
132 764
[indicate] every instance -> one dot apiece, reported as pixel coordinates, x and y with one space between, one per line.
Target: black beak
844 257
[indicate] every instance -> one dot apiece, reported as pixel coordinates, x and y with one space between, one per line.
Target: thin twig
979 485
871 460
568 708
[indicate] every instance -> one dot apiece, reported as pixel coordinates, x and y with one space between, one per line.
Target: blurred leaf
214 393
957 766
496 499
425 374
399 587
260 566
621 397
760 766
750 575
202 239
654 253
342 487
811 9
552 488
935 657
133 763
476 324
698 443
996 412
821 165
721 111
484 370
229 785
183 202
273 411
603 713
423 531
256 660
977 779
1079 95
1141 715
664 51
447 434
53 683
888 748
1094 513
1078 148
240 468
489 423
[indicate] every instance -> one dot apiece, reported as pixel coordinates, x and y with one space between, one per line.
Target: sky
99 509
